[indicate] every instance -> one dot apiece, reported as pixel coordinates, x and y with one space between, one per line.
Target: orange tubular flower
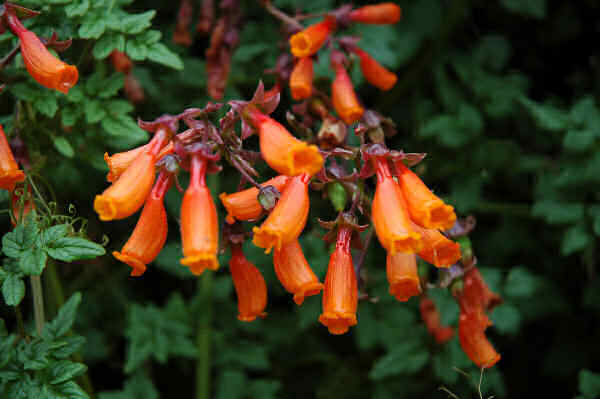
10 174
437 249
431 318
294 273
390 218
378 14
45 68
119 162
302 78
402 276
121 62
150 233
286 221
476 296
199 222
471 334
282 151
244 204
340 295
249 284
425 208
375 74
128 193
344 98
311 39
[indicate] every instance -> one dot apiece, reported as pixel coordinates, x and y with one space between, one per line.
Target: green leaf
546 117
579 140
63 146
32 262
555 212
69 346
231 385
71 390
136 23
63 321
108 43
159 53
13 290
46 104
24 91
406 357
520 283
92 27
64 370
69 115
136 50
21 238
506 318
77 8
113 84
264 389
93 110
69 249
529 8
167 260
575 239
137 387
589 384
53 233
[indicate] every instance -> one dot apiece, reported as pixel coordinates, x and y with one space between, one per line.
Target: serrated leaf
506 318
136 23
69 346
46 104
69 115
77 9
63 321
159 53
71 390
112 85
136 50
94 112
407 357
69 249
108 43
21 238
92 27
575 239
63 146
520 283
24 91
64 370
555 212
546 116
13 290
52 234
32 262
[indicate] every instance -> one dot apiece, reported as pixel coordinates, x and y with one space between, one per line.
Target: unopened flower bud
332 134
268 197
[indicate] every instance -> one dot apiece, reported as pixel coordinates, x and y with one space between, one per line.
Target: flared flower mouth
105 207
200 262
230 218
351 115
405 288
304 158
138 267
338 322
67 77
9 178
267 238
111 176
301 91
309 289
409 243
301 45
444 255
439 215
251 317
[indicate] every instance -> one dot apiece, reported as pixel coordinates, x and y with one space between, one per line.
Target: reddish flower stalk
302 78
431 318
374 72
308 41
150 233
294 272
199 222
44 67
244 204
10 174
340 295
286 221
249 284
402 276
378 14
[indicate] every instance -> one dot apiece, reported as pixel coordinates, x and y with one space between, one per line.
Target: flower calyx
344 220
375 126
371 152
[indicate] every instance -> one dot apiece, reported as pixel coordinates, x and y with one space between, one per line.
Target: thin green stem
20 322
38 303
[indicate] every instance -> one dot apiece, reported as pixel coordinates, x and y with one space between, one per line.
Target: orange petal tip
138 267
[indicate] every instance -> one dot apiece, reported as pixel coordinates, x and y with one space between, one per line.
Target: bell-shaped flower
301 79
390 217
282 151
249 284
294 272
308 41
378 14
244 204
402 276
374 72
286 221
128 193
119 162
10 174
344 97
476 295
437 249
44 67
199 222
471 335
425 208
150 233
340 295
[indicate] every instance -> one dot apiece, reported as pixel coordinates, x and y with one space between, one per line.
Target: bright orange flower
249 286
10 174
244 204
379 14
390 217
301 79
294 272
471 334
28 205
121 62
286 221
340 295
344 98
374 72
311 39
402 276
150 233
431 318
126 195
119 162
282 151
425 208
199 222
437 248
476 295
44 67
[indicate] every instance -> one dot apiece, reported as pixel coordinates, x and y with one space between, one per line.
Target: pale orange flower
310 40
294 272
249 284
402 276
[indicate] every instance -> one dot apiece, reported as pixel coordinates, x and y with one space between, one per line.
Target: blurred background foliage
502 95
